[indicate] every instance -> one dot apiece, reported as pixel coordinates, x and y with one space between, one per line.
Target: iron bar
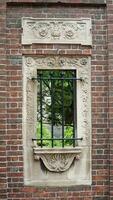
52 110
62 90
58 139
57 78
41 117
58 86
74 109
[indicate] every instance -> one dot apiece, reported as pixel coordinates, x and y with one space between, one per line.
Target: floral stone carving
56 61
57 160
72 31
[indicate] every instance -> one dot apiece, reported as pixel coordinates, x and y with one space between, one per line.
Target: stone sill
86 183
57 159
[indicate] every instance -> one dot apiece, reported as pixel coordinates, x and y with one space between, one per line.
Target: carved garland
56 62
56 31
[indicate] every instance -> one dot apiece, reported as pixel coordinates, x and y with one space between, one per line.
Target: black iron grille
56 108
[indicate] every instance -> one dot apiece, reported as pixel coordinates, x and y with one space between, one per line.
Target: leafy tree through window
56 108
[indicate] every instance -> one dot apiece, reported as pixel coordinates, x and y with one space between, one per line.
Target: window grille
57 108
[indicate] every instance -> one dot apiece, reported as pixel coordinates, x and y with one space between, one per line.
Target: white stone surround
80 171
63 30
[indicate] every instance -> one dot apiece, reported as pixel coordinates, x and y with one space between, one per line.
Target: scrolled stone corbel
56 159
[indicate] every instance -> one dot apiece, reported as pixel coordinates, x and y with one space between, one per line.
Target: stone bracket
57 159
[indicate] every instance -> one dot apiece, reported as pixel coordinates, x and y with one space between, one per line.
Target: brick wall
3 104
110 73
11 51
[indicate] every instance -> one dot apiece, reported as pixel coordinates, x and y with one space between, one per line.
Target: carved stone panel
67 31
57 160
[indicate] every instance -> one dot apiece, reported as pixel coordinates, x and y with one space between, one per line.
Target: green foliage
53 88
57 98
68 133
46 135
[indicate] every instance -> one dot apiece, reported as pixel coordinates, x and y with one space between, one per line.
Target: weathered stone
67 31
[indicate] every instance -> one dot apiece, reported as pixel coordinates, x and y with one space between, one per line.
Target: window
56 108
57 115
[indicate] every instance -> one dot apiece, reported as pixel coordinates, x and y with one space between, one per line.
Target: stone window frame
32 154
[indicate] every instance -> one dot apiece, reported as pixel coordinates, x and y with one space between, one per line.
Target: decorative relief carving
84 93
56 62
56 160
70 31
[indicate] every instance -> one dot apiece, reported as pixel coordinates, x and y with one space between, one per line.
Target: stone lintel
56 31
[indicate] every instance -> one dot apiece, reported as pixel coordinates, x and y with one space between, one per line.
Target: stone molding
57 160
65 31
53 62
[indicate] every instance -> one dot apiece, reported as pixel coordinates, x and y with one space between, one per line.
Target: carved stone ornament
66 31
54 62
57 160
